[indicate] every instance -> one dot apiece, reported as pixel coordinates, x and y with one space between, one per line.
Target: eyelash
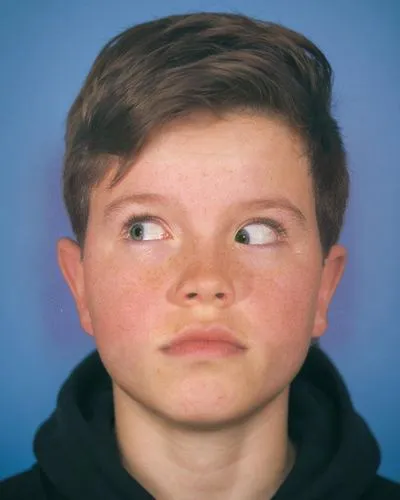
274 224
146 217
138 218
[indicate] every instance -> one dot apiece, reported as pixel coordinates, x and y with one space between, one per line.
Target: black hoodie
77 456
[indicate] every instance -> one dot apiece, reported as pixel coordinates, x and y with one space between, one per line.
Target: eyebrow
278 203
131 199
147 198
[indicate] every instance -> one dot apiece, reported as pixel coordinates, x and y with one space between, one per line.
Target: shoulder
30 484
383 489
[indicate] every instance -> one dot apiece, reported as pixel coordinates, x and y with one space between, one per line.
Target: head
209 112
157 72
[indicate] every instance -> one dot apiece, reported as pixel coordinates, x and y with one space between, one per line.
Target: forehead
203 160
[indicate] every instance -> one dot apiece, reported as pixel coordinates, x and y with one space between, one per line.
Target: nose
204 283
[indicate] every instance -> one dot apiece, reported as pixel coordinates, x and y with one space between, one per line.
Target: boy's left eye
256 233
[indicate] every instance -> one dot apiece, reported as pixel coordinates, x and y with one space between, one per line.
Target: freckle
157 275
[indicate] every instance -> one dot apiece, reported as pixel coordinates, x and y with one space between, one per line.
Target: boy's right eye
146 230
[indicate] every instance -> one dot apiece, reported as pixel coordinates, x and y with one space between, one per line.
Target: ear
331 274
71 265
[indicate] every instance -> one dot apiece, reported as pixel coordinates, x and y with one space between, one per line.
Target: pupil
137 231
242 237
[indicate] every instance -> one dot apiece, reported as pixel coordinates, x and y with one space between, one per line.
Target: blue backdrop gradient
46 49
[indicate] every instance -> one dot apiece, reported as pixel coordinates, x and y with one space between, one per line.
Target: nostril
194 295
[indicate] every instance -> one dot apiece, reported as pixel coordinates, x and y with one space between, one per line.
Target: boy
206 183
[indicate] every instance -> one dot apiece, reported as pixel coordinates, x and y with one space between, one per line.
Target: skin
217 424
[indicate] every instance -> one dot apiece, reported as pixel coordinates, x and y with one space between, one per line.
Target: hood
337 456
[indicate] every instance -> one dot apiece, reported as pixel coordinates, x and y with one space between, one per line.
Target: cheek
281 318
123 300
284 301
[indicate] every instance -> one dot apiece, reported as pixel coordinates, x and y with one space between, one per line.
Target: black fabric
77 456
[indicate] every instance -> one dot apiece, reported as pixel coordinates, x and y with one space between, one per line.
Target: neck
247 459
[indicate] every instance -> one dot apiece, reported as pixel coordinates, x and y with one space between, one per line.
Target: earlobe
332 273
71 266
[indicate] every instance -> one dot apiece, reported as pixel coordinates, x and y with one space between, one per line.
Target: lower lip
204 348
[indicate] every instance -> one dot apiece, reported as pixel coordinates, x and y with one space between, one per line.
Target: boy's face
232 240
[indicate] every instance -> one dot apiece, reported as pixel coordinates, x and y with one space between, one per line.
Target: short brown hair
158 71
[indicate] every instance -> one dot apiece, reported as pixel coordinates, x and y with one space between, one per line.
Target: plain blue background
46 49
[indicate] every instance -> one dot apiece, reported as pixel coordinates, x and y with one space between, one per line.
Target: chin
209 410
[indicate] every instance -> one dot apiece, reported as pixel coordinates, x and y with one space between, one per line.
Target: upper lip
212 333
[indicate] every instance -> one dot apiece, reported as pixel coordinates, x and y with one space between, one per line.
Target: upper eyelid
142 218
275 224
147 217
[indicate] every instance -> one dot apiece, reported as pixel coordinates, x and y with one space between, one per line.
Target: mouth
213 341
